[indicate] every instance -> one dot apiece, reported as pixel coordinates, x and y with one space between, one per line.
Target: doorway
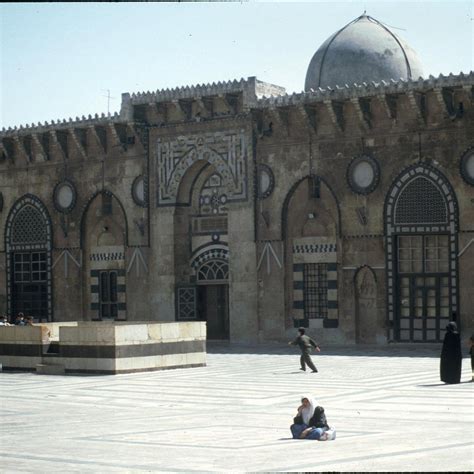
213 307
423 287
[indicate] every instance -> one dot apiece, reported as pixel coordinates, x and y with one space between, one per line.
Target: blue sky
59 59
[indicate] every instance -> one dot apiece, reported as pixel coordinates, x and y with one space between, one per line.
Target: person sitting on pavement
303 416
318 425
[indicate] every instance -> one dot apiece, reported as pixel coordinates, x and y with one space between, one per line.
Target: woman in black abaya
451 357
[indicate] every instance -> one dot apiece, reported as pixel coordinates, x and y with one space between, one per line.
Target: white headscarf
307 412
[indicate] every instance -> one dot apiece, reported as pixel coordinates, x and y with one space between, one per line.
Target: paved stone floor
388 406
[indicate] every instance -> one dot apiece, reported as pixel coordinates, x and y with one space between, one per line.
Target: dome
365 50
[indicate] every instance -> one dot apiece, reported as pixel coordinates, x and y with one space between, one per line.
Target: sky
61 60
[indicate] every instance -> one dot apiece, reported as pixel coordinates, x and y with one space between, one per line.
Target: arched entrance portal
213 298
421 224
28 246
201 254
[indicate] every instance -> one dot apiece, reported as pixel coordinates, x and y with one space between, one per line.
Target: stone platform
390 410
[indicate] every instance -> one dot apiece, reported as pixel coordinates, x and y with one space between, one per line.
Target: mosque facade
347 208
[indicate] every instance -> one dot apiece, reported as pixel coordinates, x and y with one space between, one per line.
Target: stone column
161 301
242 275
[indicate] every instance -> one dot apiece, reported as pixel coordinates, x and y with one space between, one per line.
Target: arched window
421 225
28 243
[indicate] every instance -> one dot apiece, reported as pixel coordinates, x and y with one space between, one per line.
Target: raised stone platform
103 347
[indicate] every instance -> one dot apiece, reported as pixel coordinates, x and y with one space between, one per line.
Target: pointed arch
28 238
421 204
86 208
289 195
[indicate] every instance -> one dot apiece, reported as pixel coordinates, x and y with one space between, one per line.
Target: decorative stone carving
213 198
226 151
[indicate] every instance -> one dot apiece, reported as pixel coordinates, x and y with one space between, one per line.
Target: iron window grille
315 290
108 304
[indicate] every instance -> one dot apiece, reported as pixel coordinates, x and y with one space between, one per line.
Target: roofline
367 89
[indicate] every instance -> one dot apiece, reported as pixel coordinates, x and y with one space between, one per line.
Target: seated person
303 417
29 321
316 426
20 320
4 321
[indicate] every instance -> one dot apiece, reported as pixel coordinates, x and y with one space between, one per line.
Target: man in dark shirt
305 344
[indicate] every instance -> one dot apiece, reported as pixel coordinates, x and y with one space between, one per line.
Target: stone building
348 208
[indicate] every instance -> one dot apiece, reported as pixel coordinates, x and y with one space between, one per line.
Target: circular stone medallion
363 174
64 196
266 181
467 167
138 191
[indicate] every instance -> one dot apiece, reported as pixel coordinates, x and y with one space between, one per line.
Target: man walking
306 344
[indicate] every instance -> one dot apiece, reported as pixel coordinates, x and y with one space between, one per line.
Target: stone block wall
105 348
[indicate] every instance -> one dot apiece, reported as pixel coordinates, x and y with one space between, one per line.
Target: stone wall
104 348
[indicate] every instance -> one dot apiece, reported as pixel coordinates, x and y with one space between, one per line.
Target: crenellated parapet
450 93
369 89
81 138
63 124
252 86
196 103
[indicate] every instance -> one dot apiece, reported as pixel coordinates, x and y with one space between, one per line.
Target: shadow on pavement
352 350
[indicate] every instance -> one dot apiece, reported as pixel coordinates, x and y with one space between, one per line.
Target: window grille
108 303
29 227
418 254
186 307
213 270
210 224
29 285
421 202
315 290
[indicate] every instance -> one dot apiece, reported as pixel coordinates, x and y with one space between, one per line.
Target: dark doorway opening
213 307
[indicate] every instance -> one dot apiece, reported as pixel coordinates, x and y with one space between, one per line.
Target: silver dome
364 50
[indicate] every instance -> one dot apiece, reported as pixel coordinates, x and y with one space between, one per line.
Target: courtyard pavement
388 406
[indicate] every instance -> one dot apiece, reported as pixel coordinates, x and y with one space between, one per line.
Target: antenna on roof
108 99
